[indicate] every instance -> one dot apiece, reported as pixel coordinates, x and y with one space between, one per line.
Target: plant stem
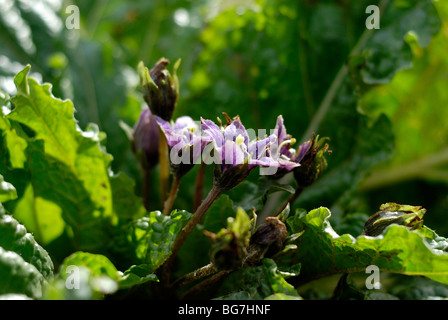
200 273
199 186
164 167
293 197
172 196
214 193
206 284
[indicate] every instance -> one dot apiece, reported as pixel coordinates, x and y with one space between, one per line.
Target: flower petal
211 129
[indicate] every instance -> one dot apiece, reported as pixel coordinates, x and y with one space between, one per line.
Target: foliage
73 195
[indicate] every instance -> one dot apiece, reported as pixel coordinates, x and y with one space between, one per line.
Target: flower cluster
233 151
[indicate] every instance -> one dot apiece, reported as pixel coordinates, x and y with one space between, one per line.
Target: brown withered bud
271 236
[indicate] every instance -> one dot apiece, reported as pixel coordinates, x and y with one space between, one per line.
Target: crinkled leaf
255 283
323 252
19 276
69 168
15 238
155 234
7 191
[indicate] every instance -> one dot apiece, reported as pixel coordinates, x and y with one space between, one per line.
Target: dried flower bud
392 213
313 163
271 236
145 142
160 89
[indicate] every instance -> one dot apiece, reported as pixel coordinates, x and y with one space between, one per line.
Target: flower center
290 142
239 140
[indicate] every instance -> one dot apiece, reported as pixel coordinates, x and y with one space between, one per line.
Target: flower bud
392 213
145 142
271 236
160 89
313 163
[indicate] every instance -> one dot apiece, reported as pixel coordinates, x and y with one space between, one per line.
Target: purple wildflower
284 150
185 142
235 156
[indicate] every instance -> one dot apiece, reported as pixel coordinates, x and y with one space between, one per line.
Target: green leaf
136 275
19 276
15 238
255 283
155 234
72 185
323 252
97 264
126 204
387 51
7 191
373 144
94 273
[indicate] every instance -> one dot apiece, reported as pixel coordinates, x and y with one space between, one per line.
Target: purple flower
284 150
145 142
185 142
236 156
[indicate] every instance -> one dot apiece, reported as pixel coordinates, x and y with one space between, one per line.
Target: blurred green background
380 95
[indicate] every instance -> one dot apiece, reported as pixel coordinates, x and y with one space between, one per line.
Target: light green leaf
323 252
69 171
97 275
